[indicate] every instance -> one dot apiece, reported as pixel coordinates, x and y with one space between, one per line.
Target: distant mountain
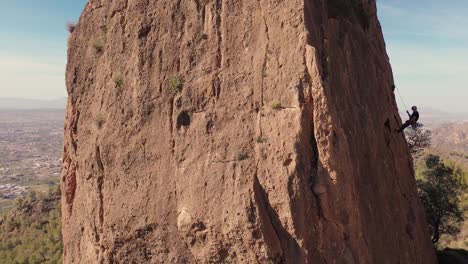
432 117
25 104
451 141
453 137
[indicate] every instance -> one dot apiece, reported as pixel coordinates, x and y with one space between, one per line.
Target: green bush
241 156
99 121
118 81
175 84
276 106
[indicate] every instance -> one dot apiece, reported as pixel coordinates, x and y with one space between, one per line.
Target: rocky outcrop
235 132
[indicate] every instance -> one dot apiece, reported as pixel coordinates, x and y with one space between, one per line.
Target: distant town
30 152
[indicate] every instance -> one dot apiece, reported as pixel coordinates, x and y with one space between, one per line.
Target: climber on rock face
413 119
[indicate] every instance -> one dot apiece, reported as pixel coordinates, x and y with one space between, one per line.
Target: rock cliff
210 131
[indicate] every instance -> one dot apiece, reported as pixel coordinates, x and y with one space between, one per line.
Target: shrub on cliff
71 26
175 85
418 139
276 106
118 81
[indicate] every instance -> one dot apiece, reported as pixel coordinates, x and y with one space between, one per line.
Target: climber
413 119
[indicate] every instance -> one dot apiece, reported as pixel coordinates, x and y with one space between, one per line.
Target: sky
33 43
426 41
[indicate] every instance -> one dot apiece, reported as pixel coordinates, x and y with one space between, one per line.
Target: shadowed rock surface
235 132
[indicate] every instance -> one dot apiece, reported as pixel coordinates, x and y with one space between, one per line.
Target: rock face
206 131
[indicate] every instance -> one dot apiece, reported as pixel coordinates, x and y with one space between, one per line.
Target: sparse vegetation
71 26
118 80
276 106
100 42
418 139
241 156
98 45
260 140
100 120
264 73
31 232
104 33
175 84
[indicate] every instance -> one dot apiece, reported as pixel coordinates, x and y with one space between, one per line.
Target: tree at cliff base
439 193
31 231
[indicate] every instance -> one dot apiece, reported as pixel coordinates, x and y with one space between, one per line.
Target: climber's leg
405 125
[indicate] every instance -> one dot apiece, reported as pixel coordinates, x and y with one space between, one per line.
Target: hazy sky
426 41
33 40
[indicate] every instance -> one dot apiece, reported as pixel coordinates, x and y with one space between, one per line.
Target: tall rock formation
210 131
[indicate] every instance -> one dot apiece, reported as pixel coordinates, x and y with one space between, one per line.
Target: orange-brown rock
206 131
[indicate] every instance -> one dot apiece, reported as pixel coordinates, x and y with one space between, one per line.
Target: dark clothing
413 119
405 125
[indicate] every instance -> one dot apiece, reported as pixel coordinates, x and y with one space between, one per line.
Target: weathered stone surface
277 146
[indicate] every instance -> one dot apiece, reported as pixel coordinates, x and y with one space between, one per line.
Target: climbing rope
398 90
401 98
